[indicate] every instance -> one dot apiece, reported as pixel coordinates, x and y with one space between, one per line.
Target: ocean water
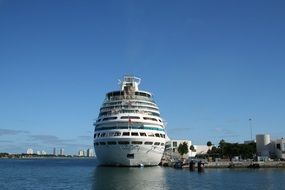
85 174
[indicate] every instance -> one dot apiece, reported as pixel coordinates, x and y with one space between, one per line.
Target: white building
38 152
44 152
265 147
81 153
280 148
200 149
172 145
30 151
171 149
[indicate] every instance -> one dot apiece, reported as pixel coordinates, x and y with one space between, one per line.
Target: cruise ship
129 130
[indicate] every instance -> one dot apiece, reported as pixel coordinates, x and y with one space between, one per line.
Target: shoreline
208 165
50 158
242 165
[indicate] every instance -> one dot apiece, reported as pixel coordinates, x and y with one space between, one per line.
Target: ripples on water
83 174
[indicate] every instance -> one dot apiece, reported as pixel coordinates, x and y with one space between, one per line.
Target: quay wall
225 164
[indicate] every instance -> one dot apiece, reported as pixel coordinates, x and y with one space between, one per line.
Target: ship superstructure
129 130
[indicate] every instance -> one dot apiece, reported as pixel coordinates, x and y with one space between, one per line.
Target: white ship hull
117 155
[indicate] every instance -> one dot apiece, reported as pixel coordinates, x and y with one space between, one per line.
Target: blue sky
211 66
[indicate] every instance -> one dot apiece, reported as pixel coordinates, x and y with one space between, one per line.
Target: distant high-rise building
44 152
61 152
54 151
90 152
81 153
30 151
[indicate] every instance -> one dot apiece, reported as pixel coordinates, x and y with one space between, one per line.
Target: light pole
250 125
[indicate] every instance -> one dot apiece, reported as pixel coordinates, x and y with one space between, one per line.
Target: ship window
126 133
156 143
130 117
162 144
151 135
156 134
111 143
97 143
136 142
154 114
117 134
161 135
123 142
130 156
159 120
102 135
148 143
174 144
143 134
149 118
278 146
109 118
102 143
98 120
98 135
94 136
135 134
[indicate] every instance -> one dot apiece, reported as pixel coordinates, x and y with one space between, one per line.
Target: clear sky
211 66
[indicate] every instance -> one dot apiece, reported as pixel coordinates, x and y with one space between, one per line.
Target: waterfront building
129 130
81 153
38 152
172 145
201 149
54 151
264 146
267 148
171 148
280 148
90 152
44 152
30 151
61 152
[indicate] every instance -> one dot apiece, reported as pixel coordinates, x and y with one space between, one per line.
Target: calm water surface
84 174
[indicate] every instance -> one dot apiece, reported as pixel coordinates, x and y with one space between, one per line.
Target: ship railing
110 113
116 109
129 98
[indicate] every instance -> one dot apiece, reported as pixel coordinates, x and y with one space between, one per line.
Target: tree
209 143
183 148
192 148
230 150
222 143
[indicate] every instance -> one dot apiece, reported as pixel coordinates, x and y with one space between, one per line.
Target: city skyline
211 67
54 152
